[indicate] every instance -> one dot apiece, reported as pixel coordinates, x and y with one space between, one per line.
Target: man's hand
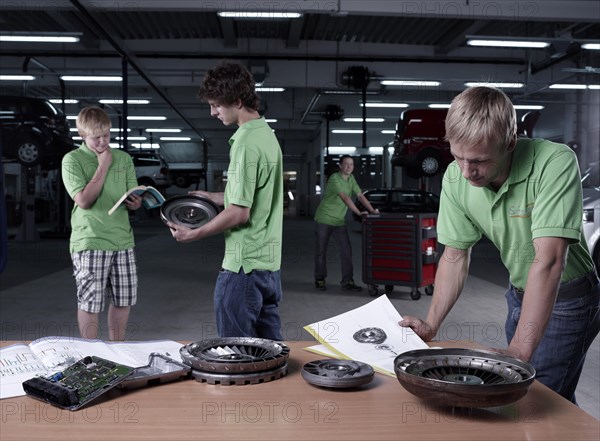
133 202
182 234
421 327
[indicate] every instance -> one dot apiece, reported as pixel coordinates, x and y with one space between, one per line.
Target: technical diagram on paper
370 334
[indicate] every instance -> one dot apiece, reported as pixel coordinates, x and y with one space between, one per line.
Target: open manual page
370 334
47 355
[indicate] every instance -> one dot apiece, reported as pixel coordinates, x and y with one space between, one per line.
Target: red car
420 145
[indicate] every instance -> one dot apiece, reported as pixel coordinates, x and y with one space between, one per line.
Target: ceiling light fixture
132 101
439 106
594 86
507 42
374 120
40 37
164 130
91 78
388 132
132 138
385 105
567 86
347 131
17 78
266 15
270 120
59 101
591 46
269 89
410 83
528 107
341 150
175 138
497 85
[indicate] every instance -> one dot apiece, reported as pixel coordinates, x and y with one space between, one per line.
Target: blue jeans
559 357
323 232
246 305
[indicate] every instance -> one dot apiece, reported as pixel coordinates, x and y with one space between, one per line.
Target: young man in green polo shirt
525 196
330 221
101 246
248 288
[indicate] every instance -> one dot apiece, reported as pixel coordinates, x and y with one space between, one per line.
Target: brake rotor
463 377
240 379
191 211
235 355
370 335
337 373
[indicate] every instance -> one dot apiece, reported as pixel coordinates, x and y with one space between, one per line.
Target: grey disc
240 379
189 211
370 335
235 355
337 373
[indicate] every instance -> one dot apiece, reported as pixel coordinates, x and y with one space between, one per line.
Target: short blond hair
481 115
92 120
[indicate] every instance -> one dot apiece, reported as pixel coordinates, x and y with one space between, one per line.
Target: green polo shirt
541 198
255 180
332 209
93 228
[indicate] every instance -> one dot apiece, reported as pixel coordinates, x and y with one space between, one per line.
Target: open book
48 355
151 197
370 334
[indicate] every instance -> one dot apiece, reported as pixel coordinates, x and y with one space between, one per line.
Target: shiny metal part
190 211
235 355
370 335
337 373
463 377
240 379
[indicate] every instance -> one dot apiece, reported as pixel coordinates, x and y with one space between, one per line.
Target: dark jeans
246 305
340 234
575 322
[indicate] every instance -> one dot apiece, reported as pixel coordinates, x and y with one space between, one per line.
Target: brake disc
463 377
370 335
191 211
337 373
235 355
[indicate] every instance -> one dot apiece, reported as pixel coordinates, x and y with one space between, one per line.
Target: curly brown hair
229 83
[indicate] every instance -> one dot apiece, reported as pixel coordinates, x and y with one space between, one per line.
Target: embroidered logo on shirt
520 212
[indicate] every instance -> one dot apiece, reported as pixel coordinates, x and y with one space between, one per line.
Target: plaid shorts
101 274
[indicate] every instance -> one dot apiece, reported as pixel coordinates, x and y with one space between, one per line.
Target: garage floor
176 283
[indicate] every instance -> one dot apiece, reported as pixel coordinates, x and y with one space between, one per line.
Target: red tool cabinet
400 249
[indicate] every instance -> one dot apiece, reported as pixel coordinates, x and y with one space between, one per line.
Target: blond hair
481 115
92 121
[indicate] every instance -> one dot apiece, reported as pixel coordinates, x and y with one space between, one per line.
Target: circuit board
78 384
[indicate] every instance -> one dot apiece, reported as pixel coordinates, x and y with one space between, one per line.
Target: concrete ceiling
167 46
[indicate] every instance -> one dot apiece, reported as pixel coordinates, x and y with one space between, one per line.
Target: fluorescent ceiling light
340 150
132 138
567 86
376 150
146 145
132 101
368 120
269 89
528 107
385 105
413 83
94 78
498 85
17 77
164 130
388 132
591 46
258 15
116 129
39 38
346 131
439 106
146 118
270 120
175 138
508 43
59 101
594 86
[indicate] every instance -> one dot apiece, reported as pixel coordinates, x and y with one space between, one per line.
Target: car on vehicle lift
420 145
33 131
149 168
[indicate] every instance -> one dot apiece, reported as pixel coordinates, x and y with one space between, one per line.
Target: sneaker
349 285
320 284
